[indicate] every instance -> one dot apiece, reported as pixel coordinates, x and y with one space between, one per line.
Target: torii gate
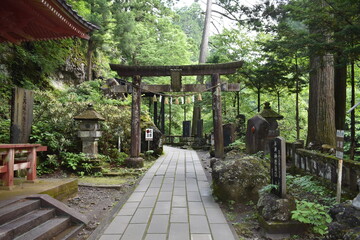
175 72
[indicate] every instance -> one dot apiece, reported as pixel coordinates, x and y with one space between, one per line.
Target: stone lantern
89 130
271 116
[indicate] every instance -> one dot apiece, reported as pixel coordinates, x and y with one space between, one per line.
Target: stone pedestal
134 162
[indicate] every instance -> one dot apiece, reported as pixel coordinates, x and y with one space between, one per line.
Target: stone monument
256 134
271 117
89 130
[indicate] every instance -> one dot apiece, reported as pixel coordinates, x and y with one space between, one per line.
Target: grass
126 175
105 180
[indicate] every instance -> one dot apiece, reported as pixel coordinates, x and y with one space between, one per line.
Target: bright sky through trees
219 22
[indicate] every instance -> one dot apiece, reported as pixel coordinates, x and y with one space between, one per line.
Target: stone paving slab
173 201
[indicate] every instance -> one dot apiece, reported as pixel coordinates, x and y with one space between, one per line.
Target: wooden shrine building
23 21
175 72
34 20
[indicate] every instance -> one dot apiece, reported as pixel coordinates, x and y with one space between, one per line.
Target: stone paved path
173 201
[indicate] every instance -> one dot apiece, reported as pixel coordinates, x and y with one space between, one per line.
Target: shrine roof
267 112
32 20
90 114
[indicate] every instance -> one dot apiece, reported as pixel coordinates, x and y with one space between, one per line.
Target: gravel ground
97 203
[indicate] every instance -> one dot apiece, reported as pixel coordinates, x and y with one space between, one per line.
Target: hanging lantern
182 100
170 100
193 98
154 98
166 100
160 98
176 101
199 97
188 100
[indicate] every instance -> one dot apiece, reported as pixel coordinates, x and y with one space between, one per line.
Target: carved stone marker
186 128
21 115
278 165
200 128
256 134
229 134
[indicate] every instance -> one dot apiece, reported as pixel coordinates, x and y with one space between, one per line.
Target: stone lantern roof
267 112
89 114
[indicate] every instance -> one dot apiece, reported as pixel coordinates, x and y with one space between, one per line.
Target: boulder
239 177
273 208
346 222
356 201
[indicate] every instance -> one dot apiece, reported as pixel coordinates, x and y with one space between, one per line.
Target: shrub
73 161
314 214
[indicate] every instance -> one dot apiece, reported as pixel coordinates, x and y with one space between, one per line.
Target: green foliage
268 188
73 161
314 214
49 166
5 130
117 158
239 144
37 60
315 191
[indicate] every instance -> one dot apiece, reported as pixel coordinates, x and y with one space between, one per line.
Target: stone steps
38 217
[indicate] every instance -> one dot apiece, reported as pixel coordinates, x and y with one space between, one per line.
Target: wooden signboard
21 115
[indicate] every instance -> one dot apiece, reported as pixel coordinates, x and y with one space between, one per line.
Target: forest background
278 41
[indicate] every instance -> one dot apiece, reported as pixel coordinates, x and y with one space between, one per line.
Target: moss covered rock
240 177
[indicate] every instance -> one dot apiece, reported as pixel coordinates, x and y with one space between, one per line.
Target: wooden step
17 209
70 233
47 230
25 223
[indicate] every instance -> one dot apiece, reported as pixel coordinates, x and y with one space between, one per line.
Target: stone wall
323 165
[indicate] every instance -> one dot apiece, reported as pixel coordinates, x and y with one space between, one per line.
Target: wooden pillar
162 115
31 158
8 176
217 117
170 118
135 160
155 114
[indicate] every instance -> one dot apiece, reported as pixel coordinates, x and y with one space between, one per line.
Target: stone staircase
38 217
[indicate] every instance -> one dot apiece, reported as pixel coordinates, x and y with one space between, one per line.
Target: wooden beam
225 87
186 70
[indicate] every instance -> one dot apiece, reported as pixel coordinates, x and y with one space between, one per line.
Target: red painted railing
8 165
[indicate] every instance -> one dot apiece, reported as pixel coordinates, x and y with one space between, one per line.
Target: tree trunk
278 101
321 118
297 119
202 59
258 99
352 127
238 103
297 110
162 115
89 54
340 93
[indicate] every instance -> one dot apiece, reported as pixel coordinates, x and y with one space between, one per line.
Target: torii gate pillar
135 160
217 116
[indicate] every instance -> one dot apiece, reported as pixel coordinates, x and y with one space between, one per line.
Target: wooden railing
8 164
174 139
323 165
